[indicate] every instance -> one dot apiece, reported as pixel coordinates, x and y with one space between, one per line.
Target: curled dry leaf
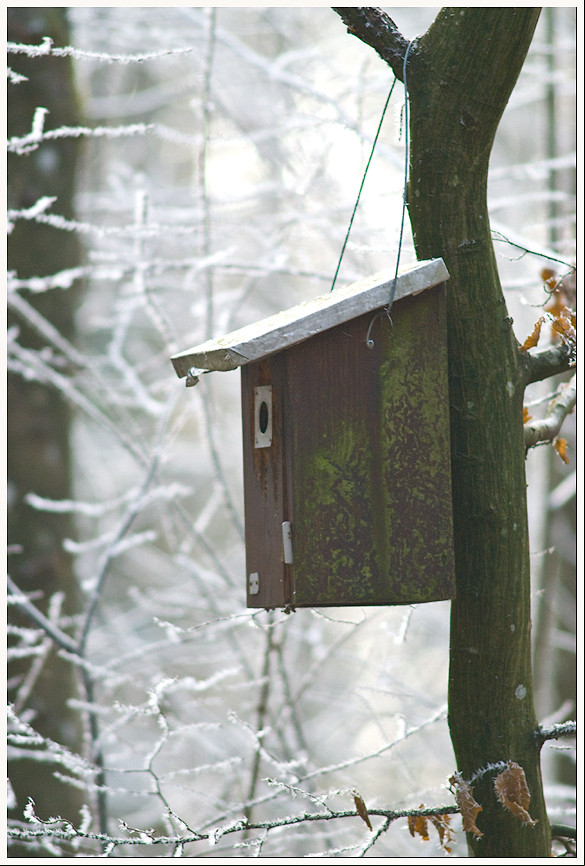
556 304
563 291
549 277
564 325
418 825
561 306
468 806
512 792
560 446
444 829
362 809
560 310
532 341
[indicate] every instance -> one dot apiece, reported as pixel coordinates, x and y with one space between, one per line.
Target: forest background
221 154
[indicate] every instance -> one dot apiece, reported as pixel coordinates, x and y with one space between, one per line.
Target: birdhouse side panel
265 494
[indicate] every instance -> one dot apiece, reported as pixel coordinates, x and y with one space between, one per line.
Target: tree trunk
38 417
460 75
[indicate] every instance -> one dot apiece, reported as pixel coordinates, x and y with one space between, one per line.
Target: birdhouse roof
289 327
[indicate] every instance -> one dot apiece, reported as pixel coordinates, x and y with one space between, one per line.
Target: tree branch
563 831
60 829
53 631
372 26
261 711
548 427
546 363
553 732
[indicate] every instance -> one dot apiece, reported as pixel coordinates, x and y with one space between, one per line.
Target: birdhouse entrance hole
263 416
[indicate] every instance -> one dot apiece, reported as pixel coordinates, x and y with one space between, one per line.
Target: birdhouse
345 416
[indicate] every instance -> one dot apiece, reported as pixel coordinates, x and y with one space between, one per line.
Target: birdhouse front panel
349 503
266 504
345 414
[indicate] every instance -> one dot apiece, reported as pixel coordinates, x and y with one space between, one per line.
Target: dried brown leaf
526 416
560 446
549 277
563 291
512 792
534 337
444 829
564 326
557 303
418 825
361 808
468 806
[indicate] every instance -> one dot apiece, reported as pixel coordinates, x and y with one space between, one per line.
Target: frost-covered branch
37 212
319 772
24 144
128 519
547 428
31 366
555 732
54 632
47 48
261 713
57 829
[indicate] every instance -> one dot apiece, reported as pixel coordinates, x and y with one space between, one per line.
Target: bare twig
103 570
30 680
261 713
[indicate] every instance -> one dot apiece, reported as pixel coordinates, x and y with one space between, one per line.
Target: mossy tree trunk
460 75
38 416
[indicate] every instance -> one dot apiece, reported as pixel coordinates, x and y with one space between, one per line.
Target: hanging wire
404 192
362 185
405 188
388 307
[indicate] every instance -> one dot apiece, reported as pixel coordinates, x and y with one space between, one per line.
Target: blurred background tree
38 413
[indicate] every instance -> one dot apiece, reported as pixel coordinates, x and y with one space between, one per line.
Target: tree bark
460 75
38 417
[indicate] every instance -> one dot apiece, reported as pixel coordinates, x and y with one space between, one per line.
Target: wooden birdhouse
345 414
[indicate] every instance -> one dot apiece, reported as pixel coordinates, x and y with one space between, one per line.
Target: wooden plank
264 492
293 326
369 464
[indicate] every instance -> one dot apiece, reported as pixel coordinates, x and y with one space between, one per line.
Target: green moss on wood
373 507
